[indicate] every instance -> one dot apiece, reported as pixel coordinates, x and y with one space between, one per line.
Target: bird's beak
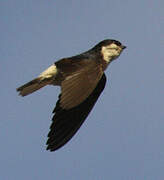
123 47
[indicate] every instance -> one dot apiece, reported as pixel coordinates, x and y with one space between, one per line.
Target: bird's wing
78 86
71 111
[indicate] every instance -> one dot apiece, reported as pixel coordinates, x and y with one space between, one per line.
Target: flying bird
82 80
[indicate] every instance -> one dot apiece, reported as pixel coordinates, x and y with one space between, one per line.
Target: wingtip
49 146
50 149
62 129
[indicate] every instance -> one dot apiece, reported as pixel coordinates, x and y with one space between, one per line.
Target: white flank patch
49 72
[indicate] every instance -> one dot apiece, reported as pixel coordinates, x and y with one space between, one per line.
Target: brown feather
77 87
32 86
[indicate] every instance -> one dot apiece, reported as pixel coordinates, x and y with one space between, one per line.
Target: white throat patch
110 52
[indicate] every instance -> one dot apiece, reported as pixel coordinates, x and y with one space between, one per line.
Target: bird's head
109 49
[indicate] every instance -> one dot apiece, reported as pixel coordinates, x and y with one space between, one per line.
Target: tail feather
45 78
32 86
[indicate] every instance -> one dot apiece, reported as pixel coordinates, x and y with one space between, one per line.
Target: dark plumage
66 122
82 80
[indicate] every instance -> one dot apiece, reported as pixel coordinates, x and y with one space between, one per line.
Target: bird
81 79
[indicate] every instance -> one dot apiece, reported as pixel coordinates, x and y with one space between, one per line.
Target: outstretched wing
69 115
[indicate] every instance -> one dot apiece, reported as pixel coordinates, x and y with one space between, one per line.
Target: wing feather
77 87
65 123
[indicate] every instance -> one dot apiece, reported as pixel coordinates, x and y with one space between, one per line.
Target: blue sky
122 137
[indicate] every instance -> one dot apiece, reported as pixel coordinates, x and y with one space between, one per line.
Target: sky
122 138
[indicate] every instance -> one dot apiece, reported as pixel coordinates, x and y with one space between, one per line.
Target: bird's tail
32 86
45 78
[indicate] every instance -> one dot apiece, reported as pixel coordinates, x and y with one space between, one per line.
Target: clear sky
123 137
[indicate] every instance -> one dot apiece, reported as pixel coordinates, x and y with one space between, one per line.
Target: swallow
82 80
